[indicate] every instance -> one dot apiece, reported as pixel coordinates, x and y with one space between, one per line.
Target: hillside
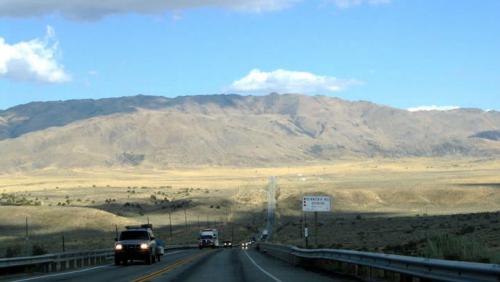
158 132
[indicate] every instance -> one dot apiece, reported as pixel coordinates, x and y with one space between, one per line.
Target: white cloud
353 3
33 60
284 81
95 9
433 108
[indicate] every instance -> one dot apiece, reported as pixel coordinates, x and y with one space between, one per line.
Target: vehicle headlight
144 246
119 247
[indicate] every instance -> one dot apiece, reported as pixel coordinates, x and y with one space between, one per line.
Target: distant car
228 244
244 246
137 243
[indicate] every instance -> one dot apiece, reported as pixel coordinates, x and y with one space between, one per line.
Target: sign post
316 229
315 204
306 236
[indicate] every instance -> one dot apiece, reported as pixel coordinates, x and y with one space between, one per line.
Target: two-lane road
195 265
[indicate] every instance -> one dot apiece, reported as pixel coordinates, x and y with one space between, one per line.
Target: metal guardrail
405 267
53 258
61 261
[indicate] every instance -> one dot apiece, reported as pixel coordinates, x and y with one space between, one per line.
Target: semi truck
264 235
208 238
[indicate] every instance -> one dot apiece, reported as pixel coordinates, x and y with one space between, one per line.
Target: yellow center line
169 267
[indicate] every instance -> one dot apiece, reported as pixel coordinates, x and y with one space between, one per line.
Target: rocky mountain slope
160 132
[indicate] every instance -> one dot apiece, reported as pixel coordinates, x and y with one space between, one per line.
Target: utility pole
232 233
316 229
63 244
300 228
27 238
185 220
26 228
301 225
170 219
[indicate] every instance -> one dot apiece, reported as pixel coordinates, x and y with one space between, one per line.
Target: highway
231 264
195 265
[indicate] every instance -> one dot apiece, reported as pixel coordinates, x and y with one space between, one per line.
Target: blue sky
399 53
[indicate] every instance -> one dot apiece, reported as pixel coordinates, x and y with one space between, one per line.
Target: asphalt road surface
195 265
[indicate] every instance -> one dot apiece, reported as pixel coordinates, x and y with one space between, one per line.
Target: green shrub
13 251
38 250
458 248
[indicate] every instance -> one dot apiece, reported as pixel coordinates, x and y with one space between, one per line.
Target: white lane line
173 253
261 269
64 273
78 271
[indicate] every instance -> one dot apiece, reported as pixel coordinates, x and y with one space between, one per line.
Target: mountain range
161 132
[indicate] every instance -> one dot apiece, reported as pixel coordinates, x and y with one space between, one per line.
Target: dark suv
136 243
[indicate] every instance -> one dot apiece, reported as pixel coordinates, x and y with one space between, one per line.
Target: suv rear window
134 235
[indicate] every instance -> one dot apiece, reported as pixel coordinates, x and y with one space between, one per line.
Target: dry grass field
378 205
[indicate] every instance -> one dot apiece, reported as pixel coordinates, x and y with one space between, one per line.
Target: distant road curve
271 206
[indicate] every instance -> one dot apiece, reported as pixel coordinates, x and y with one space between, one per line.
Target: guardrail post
338 266
405 278
44 267
53 267
380 273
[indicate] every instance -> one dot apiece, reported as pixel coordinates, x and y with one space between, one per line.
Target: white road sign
316 204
